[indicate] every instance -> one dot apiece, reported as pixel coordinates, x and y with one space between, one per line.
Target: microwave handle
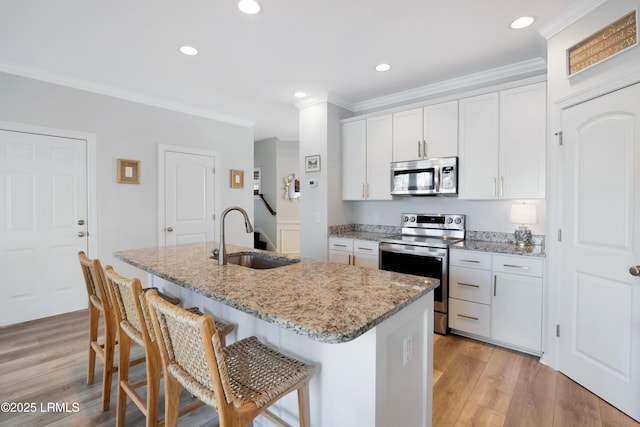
436 177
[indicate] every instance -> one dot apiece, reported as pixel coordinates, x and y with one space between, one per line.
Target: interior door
600 335
43 225
189 198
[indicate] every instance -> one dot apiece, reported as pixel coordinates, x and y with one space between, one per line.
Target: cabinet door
354 156
340 257
440 122
365 253
516 310
379 152
478 147
407 135
522 141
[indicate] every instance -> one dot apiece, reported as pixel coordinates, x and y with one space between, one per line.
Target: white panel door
43 196
189 198
600 340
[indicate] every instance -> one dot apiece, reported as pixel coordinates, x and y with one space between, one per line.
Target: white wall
287 163
127 214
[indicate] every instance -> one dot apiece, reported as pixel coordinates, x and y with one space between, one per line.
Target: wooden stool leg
303 406
171 401
109 350
94 318
154 370
124 354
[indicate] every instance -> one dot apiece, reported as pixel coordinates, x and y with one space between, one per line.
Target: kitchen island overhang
369 331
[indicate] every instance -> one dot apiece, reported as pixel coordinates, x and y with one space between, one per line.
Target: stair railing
269 208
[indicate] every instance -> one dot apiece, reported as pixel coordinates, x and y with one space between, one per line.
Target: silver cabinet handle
339 245
470 260
82 234
468 317
424 149
468 284
495 284
365 249
363 190
524 267
493 187
419 156
169 229
635 270
81 222
502 186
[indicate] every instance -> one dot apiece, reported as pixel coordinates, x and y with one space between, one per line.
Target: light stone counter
326 302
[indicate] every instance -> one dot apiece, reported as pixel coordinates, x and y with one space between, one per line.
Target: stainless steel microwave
428 177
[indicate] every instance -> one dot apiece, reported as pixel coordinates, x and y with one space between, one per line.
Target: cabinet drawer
471 259
470 317
470 284
340 244
522 265
365 247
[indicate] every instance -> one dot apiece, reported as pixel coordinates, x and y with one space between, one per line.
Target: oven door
421 261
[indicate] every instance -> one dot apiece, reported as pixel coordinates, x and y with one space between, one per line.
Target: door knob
81 234
635 270
169 229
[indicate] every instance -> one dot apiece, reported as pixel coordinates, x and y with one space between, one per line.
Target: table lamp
523 214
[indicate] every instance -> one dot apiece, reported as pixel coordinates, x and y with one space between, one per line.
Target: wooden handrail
269 208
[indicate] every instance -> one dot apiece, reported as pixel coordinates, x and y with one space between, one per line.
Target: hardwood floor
44 362
477 384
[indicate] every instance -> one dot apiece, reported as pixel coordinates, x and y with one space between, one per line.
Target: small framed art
237 178
128 171
312 163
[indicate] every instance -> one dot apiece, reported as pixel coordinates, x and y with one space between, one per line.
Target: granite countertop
499 247
323 301
361 235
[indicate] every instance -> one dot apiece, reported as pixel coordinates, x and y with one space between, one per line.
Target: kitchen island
369 332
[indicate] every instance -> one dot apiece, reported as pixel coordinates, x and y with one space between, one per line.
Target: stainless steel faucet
221 252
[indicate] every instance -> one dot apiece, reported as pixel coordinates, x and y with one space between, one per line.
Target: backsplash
485 236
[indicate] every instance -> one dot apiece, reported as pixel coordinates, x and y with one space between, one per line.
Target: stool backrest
96 284
191 351
130 307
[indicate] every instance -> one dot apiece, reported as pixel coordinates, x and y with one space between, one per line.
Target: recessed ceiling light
522 22
189 50
300 94
383 67
250 7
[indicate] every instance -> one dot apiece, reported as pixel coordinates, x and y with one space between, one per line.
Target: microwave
428 177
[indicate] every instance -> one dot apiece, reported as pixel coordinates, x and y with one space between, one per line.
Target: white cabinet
516 303
497 298
427 132
361 253
502 144
366 154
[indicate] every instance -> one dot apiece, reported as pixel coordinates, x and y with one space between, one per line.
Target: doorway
46 217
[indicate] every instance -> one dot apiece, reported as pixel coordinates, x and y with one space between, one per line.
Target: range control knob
458 220
413 219
406 219
449 220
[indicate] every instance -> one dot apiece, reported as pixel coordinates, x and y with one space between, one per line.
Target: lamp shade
521 213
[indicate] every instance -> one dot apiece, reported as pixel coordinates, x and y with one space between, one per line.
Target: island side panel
357 382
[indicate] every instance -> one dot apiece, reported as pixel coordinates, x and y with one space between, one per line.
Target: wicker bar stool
99 303
134 327
240 381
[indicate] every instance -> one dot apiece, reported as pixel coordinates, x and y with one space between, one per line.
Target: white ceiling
250 66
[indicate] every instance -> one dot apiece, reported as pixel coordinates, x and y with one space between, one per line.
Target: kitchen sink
258 260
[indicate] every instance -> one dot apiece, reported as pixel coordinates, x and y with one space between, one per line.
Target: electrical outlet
407 349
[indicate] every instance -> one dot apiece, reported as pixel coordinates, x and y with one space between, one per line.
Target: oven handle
413 250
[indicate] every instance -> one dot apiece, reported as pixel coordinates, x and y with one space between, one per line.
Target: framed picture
128 171
237 178
312 163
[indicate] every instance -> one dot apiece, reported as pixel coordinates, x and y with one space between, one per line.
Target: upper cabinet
502 144
366 154
423 133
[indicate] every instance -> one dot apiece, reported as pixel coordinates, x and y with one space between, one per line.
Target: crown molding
324 98
115 92
513 71
568 16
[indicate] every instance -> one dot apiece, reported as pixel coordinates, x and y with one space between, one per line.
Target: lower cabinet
361 253
497 298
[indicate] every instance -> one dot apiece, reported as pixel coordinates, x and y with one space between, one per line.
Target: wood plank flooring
44 362
477 384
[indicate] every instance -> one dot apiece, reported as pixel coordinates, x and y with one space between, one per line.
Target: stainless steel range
423 249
